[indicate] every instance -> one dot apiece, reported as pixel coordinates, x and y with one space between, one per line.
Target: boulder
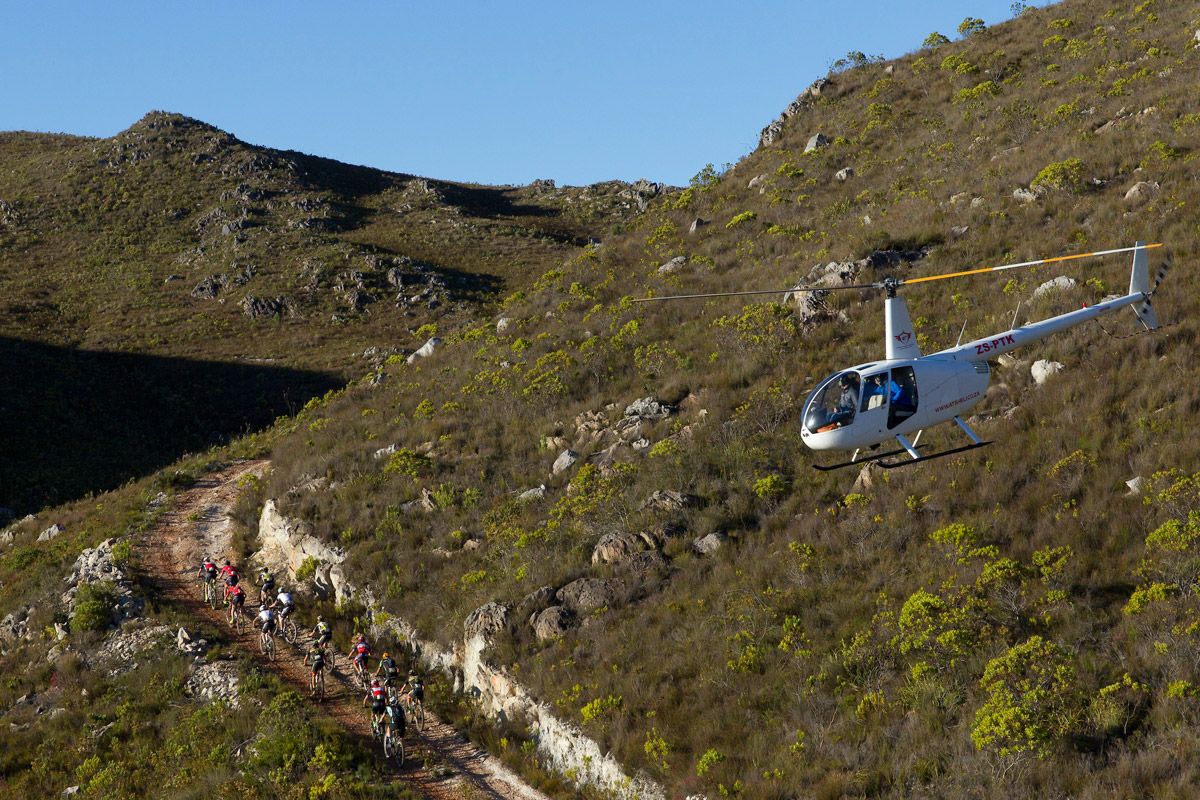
648 408
1042 370
425 502
50 533
707 545
1024 196
529 495
674 265
645 562
959 231
588 594
503 324
960 197
844 174
669 500
757 180
1135 486
616 547
425 350
551 623
1141 193
263 307
697 224
1057 285
816 142
537 600
486 621
566 459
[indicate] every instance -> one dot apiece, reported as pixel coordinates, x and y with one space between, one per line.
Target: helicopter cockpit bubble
833 403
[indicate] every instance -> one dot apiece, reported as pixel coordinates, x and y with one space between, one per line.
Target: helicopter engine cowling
890 398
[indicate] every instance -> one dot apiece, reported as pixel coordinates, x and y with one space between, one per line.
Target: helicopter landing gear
911 449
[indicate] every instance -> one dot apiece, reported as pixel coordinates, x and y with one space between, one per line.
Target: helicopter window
904 396
876 393
833 405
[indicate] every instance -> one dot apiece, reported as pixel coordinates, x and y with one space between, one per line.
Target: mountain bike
393 694
360 672
210 593
235 617
316 683
289 630
266 644
393 746
415 709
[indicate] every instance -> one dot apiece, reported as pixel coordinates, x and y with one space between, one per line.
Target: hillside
224 284
627 481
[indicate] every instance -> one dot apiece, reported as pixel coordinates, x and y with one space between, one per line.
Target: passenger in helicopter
844 410
880 391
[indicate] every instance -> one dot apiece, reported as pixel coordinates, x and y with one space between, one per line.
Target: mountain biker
414 687
266 620
237 599
285 604
266 585
360 652
208 570
231 577
378 697
387 665
395 718
317 654
323 632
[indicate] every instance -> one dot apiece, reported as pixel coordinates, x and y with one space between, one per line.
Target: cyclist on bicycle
266 621
266 585
231 577
415 687
285 604
387 665
237 599
208 570
395 718
317 654
378 697
360 652
323 632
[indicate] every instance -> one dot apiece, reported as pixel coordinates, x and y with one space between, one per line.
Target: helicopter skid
930 457
867 460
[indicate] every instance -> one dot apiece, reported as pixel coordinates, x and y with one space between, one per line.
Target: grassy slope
835 646
102 242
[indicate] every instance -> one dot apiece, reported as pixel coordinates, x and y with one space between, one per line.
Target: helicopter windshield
833 404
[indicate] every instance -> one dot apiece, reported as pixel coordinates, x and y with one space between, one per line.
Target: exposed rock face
95 565
844 174
287 545
119 651
697 224
262 307
529 495
648 408
561 745
616 547
772 132
425 502
486 621
674 265
1024 196
1042 370
50 533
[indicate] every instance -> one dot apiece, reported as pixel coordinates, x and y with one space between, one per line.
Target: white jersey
266 615
284 598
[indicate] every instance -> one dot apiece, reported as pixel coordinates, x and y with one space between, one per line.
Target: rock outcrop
287 546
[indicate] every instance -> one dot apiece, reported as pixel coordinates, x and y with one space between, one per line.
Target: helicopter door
904 394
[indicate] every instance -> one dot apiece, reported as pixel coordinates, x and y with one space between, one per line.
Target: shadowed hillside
82 421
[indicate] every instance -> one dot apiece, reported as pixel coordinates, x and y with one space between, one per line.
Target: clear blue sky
490 92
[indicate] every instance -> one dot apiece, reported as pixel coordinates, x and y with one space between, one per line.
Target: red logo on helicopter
903 338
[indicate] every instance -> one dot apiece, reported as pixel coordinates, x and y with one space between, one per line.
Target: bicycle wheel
419 715
393 747
290 632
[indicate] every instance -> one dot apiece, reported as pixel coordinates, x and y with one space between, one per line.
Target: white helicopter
866 405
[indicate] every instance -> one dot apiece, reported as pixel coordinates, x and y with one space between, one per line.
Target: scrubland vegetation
1014 622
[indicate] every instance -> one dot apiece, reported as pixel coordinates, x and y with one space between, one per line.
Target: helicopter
905 393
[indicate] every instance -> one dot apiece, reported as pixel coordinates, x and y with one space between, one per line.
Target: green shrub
93 606
1064 175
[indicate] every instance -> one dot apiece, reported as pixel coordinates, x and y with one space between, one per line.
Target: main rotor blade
907 281
760 291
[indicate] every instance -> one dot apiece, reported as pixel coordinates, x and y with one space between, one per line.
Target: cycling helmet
385 655
320 618
227 562
375 681
412 673
360 637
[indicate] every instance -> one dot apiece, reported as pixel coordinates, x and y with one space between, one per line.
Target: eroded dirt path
441 763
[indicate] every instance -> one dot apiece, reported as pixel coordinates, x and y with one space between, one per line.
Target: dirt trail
441 763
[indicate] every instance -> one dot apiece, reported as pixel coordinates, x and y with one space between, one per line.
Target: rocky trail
441 763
